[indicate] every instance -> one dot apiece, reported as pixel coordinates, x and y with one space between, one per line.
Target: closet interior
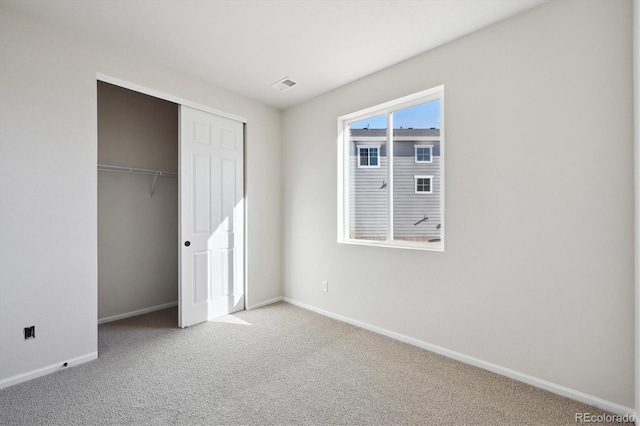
137 203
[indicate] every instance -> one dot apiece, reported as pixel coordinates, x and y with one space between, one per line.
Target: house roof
396 132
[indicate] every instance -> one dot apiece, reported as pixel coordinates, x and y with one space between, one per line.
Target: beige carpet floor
278 365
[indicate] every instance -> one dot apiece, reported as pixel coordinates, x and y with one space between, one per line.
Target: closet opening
171 206
138 142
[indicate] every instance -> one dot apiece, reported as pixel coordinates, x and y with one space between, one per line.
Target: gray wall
137 233
48 188
537 275
636 156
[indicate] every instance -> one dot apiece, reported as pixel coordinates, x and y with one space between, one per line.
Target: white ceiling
247 45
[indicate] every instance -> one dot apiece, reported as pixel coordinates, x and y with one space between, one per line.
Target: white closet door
211 216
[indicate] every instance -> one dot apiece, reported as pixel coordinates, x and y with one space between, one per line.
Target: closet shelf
148 172
106 168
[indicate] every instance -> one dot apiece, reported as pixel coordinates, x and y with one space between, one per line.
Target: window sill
433 246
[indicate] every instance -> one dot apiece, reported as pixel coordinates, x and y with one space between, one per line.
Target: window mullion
390 176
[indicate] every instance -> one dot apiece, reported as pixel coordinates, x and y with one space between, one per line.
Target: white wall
48 180
636 156
537 275
137 233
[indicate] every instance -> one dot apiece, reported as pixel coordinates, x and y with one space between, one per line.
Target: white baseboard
521 377
19 378
265 303
138 312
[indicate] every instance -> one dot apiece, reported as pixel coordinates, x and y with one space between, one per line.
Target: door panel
211 216
201 194
201 268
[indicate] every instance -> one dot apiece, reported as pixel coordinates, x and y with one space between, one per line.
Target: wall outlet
30 332
325 286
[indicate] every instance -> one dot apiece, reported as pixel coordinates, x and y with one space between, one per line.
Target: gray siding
406 148
409 207
368 203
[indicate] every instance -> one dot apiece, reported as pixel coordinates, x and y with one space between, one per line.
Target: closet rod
119 169
148 172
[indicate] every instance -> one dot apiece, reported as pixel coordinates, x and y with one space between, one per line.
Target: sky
423 116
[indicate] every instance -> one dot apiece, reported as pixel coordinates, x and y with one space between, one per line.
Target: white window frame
387 108
415 154
367 146
415 179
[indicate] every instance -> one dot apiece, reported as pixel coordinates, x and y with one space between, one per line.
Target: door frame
181 101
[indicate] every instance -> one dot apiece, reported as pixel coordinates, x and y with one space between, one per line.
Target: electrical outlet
325 286
30 332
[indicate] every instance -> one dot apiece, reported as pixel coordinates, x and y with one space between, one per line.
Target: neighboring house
416 184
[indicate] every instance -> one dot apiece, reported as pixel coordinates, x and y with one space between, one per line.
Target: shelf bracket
154 183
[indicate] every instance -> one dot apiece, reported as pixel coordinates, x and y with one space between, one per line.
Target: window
423 153
423 184
391 173
368 156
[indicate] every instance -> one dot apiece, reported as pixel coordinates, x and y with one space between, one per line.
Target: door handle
187 243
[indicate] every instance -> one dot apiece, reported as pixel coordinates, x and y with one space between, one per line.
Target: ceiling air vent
284 84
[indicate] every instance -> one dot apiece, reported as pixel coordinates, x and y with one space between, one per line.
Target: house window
423 153
423 184
387 154
368 156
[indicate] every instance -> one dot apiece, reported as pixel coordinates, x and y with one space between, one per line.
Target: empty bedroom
319 212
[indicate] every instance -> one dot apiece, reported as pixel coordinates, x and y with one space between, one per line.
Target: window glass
368 156
367 179
423 154
373 157
423 184
416 203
